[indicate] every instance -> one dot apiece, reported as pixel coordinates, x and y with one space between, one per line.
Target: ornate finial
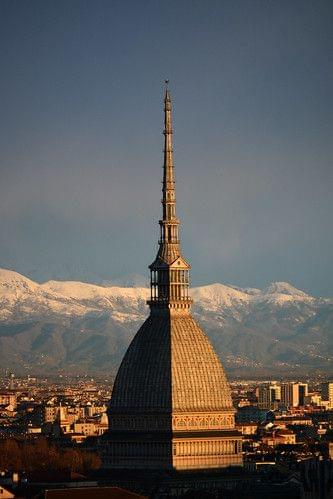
166 83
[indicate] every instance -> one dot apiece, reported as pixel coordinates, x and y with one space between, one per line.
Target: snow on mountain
75 325
84 291
76 298
20 297
214 296
12 282
281 293
283 288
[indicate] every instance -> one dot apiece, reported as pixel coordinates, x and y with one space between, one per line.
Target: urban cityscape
169 411
114 385
287 430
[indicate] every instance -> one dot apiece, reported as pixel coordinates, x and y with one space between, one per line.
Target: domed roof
170 366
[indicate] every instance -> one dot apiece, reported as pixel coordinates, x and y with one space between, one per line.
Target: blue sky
81 144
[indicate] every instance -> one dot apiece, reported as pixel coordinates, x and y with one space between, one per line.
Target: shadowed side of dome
143 382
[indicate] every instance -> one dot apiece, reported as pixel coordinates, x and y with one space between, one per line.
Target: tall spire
169 223
169 198
169 271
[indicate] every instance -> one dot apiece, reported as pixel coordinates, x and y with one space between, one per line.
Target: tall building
327 391
171 406
269 396
293 394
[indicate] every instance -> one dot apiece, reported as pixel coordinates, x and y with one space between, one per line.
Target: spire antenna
169 271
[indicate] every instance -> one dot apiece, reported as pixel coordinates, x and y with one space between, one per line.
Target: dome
170 366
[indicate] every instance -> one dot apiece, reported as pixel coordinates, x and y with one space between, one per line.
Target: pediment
180 262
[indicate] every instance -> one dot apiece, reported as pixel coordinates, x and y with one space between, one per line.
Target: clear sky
81 144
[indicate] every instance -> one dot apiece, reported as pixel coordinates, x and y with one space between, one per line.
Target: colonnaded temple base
190 452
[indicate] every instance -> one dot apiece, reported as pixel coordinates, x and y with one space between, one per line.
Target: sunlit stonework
171 406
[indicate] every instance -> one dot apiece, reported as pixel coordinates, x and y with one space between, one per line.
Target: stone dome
170 367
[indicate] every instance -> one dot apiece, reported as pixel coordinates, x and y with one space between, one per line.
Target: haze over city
81 139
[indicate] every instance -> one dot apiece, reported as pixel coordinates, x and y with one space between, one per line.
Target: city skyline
81 138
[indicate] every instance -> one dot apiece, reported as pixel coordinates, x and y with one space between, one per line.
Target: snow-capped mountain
77 326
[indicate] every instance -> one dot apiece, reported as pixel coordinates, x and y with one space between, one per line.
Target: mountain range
76 327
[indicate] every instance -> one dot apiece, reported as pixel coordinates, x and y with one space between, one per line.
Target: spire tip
167 93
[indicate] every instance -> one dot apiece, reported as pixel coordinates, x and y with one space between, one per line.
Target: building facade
269 396
294 394
171 405
327 392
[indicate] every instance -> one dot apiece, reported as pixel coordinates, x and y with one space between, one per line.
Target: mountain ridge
75 326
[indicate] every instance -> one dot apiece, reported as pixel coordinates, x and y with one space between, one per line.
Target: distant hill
79 327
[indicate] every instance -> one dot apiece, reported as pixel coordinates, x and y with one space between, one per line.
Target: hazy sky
81 145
